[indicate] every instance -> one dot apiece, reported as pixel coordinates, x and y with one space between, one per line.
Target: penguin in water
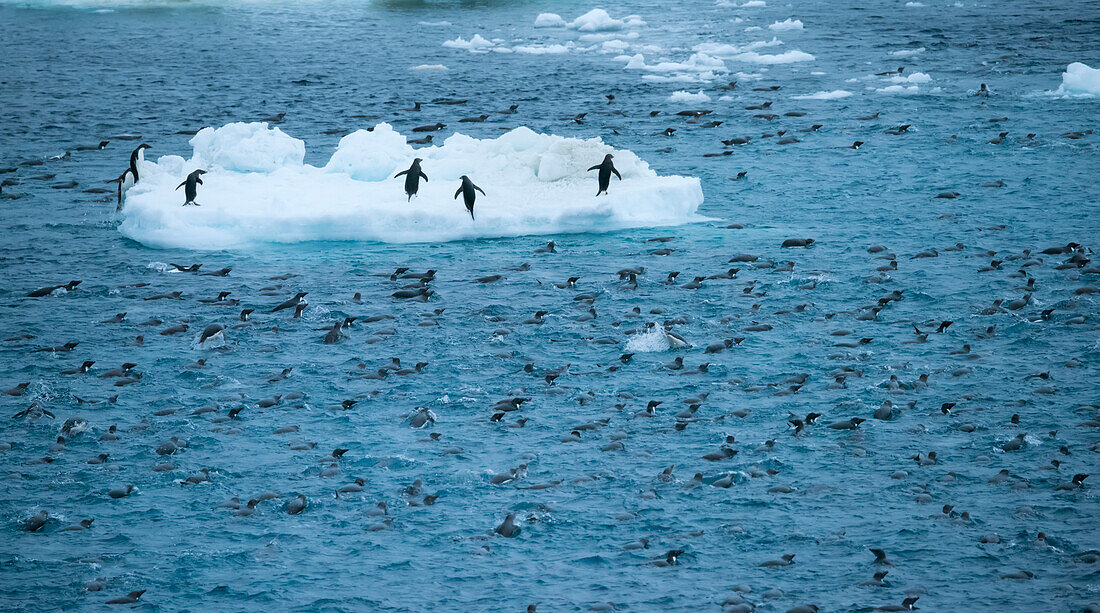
606 167
192 182
468 194
412 178
130 176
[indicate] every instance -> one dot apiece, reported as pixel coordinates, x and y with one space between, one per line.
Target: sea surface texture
661 440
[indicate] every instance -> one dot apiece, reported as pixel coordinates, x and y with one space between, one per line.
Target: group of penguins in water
413 175
1076 258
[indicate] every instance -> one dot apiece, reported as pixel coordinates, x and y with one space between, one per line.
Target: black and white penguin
467 189
606 167
412 178
192 182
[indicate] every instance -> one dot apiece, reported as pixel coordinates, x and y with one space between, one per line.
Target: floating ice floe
787 57
914 78
687 97
476 44
430 68
597 20
907 52
898 89
549 20
1080 80
258 190
787 24
700 67
836 94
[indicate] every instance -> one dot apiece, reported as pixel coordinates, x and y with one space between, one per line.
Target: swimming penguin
508 527
606 167
192 181
468 195
412 178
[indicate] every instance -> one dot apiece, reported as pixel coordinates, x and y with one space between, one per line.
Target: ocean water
76 73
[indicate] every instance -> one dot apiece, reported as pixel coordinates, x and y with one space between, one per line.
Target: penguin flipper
480 190
180 185
616 173
403 172
596 167
457 192
424 176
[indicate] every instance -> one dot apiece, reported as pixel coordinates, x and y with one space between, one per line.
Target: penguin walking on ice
606 167
412 178
467 189
192 182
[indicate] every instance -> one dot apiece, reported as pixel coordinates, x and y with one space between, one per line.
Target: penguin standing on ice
412 178
192 182
468 194
130 176
606 167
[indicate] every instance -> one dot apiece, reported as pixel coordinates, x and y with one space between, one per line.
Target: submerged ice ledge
258 190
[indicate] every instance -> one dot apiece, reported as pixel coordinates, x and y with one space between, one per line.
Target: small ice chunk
787 24
549 20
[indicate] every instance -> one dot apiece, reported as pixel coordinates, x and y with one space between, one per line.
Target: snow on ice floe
430 68
1080 80
258 190
787 24
836 94
687 97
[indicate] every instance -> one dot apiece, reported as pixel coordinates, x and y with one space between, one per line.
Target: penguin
508 528
137 155
130 176
468 195
412 178
192 181
606 167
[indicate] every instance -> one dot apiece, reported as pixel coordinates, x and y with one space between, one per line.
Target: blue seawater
76 73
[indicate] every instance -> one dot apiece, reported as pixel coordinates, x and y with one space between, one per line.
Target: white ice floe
787 57
476 44
724 50
787 24
836 94
430 68
258 190
914 4
899 89
687 97
914 78
435 24
1080 80
907 52
698 68
544 49
549 20
598 20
